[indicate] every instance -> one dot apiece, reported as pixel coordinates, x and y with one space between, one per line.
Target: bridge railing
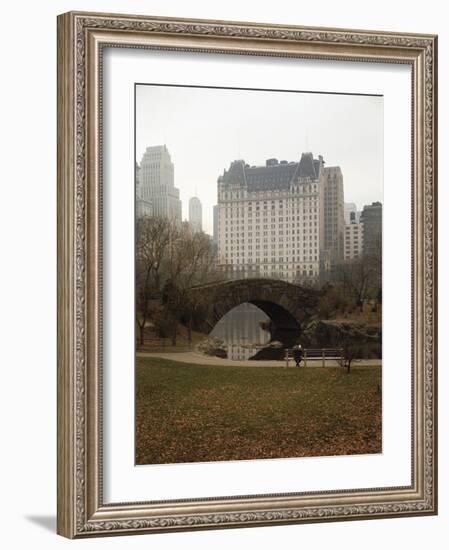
315 354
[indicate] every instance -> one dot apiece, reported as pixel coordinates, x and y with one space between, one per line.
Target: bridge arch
289 306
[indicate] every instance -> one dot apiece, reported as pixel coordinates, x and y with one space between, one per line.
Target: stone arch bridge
289 306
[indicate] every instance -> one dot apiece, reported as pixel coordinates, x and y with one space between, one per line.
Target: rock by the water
212 346
273 351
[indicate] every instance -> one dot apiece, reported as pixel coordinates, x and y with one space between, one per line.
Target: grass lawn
191 413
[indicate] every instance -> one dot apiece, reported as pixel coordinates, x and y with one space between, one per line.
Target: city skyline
231 122
349 207
301 219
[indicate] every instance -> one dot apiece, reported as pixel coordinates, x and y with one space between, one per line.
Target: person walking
297 354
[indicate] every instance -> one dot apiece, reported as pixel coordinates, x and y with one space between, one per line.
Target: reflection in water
240 329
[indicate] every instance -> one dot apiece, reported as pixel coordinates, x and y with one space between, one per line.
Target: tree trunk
174 334
142 334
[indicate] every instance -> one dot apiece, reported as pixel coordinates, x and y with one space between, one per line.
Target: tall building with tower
156 183
196 214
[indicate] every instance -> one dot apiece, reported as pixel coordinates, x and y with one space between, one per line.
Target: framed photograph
246 274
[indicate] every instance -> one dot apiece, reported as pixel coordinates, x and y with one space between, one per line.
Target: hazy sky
205 129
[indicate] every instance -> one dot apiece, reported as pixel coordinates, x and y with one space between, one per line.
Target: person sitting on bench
297 354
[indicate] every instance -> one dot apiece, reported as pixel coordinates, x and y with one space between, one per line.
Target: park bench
321 354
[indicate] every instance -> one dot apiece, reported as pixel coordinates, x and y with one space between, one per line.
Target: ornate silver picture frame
83 39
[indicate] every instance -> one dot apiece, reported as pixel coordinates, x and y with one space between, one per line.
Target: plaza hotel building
281 220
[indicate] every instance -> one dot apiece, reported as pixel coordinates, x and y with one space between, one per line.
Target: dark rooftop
274 175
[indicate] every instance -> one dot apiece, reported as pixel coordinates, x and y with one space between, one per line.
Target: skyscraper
333 213
372 228
156 181
196 214
144 207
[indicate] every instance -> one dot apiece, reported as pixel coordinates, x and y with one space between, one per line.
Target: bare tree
153 237
170 259
332 301
350 353
358 278
192 262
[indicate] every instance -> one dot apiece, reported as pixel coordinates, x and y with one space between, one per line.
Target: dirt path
199 359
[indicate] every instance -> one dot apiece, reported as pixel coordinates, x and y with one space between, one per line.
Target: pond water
241 330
